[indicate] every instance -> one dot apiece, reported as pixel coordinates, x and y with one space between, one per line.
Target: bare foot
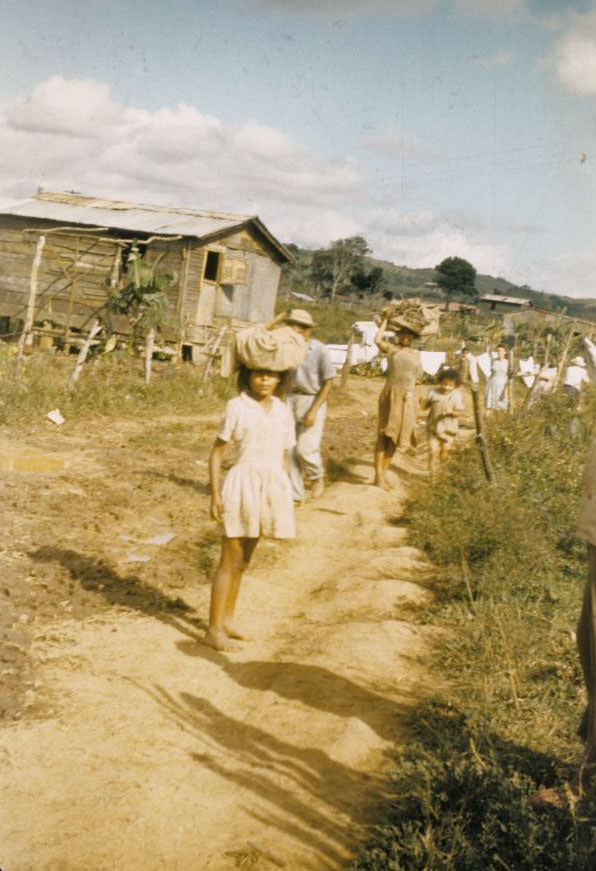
218 640
383 483
317 489
232 631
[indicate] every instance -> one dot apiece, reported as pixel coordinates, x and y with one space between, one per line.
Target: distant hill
404 281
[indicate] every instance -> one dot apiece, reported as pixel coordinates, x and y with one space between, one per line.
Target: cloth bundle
278 349
414 315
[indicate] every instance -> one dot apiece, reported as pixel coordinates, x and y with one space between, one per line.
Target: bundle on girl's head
274 350
414 315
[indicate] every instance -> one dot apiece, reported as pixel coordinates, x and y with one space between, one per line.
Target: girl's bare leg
224 591
384 450
248 547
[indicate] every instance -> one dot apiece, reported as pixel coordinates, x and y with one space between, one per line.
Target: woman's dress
496 386
397 402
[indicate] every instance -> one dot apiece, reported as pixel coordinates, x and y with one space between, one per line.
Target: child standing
256 498
397 402
444 403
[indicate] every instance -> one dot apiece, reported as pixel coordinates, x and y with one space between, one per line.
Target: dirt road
132 745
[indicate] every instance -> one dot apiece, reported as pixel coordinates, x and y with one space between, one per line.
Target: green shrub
509 577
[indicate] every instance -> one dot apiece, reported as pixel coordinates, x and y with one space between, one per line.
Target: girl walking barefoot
397 402
256 497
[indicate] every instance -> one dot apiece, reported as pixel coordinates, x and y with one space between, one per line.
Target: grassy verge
509 580
111 384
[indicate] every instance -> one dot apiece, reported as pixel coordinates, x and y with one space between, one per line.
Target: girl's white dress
256 494
496 386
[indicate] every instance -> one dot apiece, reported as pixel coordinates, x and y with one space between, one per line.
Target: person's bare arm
276 321
215 461
320 399
381 343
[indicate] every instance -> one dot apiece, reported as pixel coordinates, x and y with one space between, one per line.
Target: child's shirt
261 436
443 407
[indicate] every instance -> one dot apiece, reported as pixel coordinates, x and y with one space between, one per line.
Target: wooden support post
563 359
83 352
510 368
480 440
30 315
212 352
549 338
149 354
345 369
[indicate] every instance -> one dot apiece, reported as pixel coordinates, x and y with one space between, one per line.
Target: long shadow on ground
320 802
316 687
125 591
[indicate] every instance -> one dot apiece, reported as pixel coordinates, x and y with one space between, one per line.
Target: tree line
343 269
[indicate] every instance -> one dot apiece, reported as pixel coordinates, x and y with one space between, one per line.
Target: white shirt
261 436
575 376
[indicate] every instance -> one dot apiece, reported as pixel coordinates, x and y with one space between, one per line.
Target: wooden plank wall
70 259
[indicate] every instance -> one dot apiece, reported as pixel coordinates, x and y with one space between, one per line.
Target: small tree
456 275
141 294
333 269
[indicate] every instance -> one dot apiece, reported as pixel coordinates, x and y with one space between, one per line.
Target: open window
212 266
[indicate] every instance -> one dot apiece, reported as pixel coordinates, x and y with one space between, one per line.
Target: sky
434 128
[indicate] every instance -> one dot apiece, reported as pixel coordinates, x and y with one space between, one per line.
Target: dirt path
151 751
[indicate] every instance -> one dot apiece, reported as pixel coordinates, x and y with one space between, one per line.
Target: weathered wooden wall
77 266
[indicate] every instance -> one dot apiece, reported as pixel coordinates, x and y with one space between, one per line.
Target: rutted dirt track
137 747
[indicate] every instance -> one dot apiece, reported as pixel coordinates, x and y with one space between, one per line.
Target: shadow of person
319 688
127 591
321 801
191 483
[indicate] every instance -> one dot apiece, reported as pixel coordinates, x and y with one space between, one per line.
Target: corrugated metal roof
114 214
513 300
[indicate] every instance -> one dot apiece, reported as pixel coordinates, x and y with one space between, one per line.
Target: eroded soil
127 743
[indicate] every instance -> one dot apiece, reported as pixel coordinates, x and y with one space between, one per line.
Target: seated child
444 403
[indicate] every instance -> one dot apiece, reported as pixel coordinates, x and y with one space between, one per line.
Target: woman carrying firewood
397 402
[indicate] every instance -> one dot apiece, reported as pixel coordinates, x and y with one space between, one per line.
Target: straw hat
301 317
578 361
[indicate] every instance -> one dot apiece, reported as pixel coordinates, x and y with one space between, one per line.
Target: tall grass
509 578
111 385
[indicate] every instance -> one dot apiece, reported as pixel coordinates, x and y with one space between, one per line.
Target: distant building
463 308
497 304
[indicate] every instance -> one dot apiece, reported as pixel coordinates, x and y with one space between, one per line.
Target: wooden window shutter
226 275
240 272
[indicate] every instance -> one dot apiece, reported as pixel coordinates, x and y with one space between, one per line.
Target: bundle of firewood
412 314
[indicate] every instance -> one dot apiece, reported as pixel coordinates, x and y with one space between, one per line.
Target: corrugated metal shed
136 218
510 300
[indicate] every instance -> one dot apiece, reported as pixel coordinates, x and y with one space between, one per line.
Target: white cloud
574 55
424 238
71 135
75 107
570 274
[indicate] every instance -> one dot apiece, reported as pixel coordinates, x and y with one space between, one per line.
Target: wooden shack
496 304
227 266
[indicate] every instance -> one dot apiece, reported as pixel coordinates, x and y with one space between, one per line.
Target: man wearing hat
308 388
575 376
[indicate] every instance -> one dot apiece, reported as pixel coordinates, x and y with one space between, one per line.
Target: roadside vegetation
111 384
509 578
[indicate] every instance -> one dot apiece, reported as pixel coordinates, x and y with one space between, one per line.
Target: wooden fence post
480 440
149 354
345 369
30 315
83 352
